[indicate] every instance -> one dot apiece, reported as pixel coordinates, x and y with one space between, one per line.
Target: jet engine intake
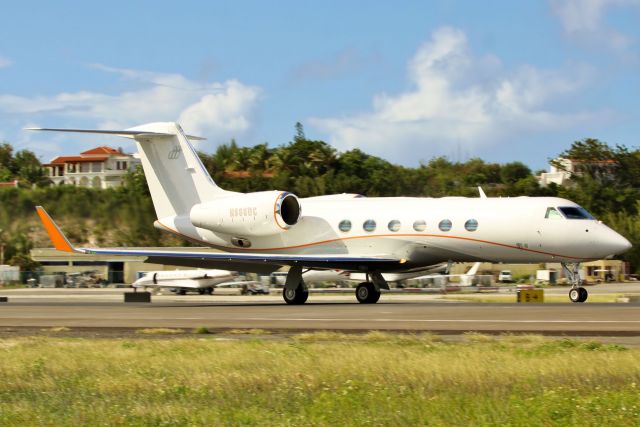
253 214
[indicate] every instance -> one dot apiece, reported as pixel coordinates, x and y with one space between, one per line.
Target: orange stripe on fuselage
321 242
56 236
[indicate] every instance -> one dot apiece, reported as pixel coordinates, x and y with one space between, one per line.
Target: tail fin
473 270
176 177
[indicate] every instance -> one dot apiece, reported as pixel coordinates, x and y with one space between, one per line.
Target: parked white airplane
202 281
314 276
263 231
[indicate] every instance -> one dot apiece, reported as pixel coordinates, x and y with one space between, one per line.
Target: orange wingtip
57 238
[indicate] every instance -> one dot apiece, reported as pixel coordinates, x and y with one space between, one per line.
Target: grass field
316 379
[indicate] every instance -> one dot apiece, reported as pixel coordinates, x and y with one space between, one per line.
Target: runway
89 308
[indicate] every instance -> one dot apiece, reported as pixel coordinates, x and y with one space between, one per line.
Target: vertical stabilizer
176 177
474 269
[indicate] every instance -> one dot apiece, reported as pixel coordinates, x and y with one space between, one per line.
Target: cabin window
419 225
394 225
369 225
552 213
345 225
573 212
471 225
445 225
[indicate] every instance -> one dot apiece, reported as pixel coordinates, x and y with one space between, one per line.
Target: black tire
366 293
208 291
201 291
578 294
583 294
181 292
295 296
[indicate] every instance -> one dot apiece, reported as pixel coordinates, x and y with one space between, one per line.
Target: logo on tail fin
174 153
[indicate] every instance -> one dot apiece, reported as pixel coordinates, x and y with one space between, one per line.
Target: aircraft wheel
366 293
295 296
208 291
181 292
583 294
578 294
201 291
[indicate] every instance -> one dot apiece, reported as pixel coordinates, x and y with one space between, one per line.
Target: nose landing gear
577 292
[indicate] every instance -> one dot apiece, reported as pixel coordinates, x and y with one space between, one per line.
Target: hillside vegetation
608 186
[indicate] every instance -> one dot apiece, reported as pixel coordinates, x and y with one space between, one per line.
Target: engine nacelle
254 214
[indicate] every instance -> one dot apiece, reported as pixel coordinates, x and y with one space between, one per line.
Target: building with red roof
100 167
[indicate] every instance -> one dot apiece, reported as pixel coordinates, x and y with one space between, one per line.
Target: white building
101 167
561 170
557 175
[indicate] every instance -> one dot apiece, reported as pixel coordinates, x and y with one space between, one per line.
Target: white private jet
263 231
437 272
202 281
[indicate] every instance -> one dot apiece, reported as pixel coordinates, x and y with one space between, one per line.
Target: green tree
513 172
28 168
299 132
606 179
136 182
6 155
25 262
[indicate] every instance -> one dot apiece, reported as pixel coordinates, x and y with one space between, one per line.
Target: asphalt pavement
104 308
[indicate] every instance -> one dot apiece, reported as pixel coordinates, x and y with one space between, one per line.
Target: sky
406 81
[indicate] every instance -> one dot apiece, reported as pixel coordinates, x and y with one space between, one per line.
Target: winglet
58 239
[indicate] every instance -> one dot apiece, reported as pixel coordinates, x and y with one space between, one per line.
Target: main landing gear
295 291
295 296
577 292
369 292
366 293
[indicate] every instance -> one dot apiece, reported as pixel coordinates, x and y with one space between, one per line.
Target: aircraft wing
251 262
237 283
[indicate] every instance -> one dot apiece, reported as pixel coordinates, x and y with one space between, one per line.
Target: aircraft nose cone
619 244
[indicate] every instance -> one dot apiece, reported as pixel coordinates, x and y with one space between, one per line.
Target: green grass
323 379
160 331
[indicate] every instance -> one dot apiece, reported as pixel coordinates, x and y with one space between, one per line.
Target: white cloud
458 100
218 111
5 62
227 111
584 21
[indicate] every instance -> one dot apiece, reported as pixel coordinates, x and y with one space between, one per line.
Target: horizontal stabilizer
127 133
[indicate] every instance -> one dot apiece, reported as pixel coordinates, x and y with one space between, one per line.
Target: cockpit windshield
552 213
575 212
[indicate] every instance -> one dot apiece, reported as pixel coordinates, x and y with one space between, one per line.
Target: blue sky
407 81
